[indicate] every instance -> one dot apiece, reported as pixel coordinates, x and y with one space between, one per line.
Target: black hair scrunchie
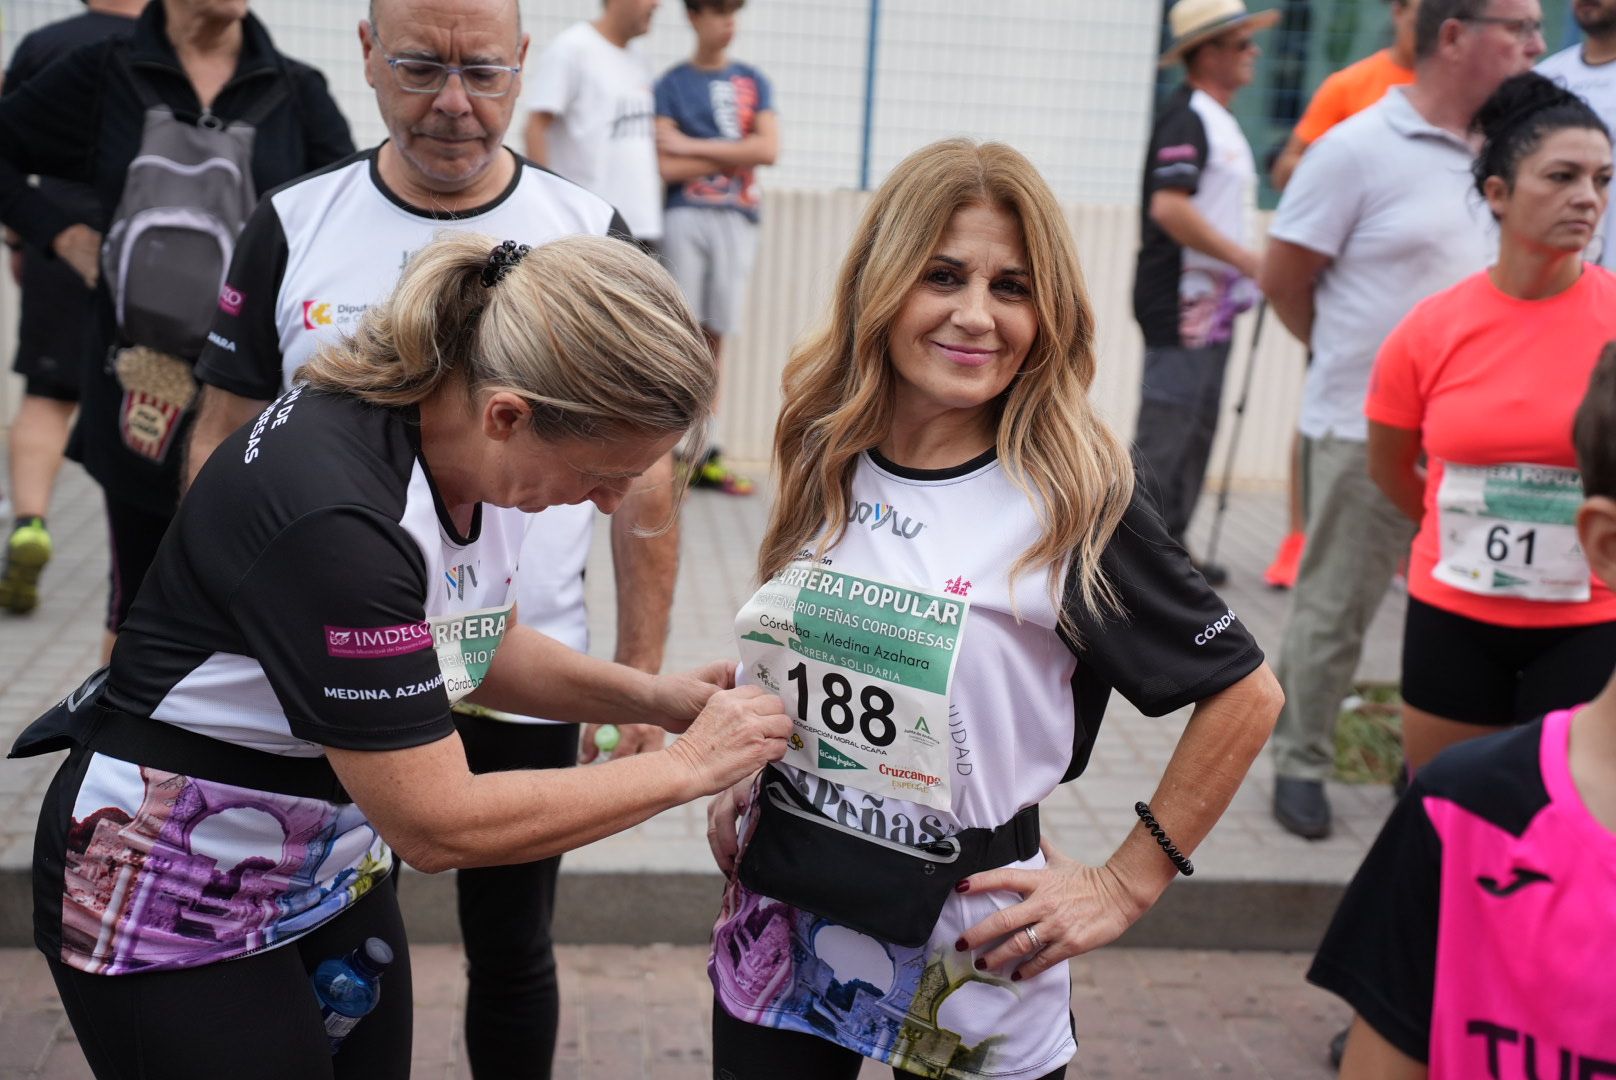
501 261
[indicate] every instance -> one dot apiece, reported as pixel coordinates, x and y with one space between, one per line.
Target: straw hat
1194 22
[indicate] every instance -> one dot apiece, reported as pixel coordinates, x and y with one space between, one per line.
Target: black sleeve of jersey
1175 642
330 572
619 228
1177 152
49 127
1379 954
243 350
23 66
326 137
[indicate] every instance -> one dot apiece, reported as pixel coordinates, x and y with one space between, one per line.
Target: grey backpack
186 198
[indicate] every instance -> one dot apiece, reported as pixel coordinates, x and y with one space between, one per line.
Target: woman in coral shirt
1505 621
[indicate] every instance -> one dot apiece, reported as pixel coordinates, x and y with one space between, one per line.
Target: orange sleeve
1395 398
1327 109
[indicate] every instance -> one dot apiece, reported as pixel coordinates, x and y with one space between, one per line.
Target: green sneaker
716 475
26 555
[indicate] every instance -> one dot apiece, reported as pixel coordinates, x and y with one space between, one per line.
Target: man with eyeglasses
1378 216
1195 264
1588 69
316 252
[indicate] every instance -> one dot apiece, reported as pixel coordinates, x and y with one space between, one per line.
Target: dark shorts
53 335
1461 669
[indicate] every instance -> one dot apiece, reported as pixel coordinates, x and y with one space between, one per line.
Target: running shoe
27 552
714 474
1281 573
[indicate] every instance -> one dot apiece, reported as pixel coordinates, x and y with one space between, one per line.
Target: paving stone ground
630 1013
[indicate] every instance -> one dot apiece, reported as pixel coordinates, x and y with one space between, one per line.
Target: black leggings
513 1005
252 1018
133 533
743 1051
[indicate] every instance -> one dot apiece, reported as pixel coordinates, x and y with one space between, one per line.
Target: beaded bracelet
1180 860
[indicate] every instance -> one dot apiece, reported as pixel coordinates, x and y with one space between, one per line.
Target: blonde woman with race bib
957 570
1505 621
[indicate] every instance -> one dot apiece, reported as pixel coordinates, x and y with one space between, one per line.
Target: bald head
498 9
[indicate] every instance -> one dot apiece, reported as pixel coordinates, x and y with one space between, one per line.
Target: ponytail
590 331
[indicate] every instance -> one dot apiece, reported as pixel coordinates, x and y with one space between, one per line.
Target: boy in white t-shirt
591 114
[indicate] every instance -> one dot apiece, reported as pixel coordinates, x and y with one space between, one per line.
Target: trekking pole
1234 435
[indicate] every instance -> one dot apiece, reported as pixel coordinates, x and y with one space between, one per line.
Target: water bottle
348 987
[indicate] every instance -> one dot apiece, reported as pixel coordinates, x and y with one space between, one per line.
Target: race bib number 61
865 668
1511 530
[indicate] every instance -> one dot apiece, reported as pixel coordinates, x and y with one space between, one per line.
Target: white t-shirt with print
1595 84
1021 714
603 137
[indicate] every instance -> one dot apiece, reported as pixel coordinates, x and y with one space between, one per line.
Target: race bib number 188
865 667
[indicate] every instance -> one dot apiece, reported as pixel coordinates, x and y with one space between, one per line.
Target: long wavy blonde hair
838 385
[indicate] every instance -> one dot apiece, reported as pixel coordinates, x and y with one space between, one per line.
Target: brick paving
645 1012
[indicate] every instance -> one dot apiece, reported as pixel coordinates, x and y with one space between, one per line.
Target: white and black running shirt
318 251
311 592
1022 713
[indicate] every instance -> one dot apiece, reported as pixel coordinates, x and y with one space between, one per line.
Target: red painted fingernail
960 946
1015 976
962 886
981 964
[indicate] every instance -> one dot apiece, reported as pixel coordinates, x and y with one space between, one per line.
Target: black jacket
82 119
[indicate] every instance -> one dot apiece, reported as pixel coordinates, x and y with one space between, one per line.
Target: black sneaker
1338 1048
1301 808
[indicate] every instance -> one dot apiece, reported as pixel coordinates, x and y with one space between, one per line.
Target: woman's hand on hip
738 732
1070 907
723 823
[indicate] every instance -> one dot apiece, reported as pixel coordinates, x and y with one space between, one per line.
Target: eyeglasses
1523 29
1240 45
430 77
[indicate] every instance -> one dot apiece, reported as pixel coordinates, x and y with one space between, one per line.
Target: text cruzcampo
871 594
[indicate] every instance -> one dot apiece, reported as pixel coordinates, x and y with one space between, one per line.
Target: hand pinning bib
865 667
1511 530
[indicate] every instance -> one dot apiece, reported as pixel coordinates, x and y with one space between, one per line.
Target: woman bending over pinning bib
275 724
957 572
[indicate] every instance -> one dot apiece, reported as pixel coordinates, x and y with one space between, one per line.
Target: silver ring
1032 936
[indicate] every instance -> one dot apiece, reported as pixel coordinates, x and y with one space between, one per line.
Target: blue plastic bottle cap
378 952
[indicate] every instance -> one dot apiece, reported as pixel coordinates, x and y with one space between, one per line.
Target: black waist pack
81 721
893 892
